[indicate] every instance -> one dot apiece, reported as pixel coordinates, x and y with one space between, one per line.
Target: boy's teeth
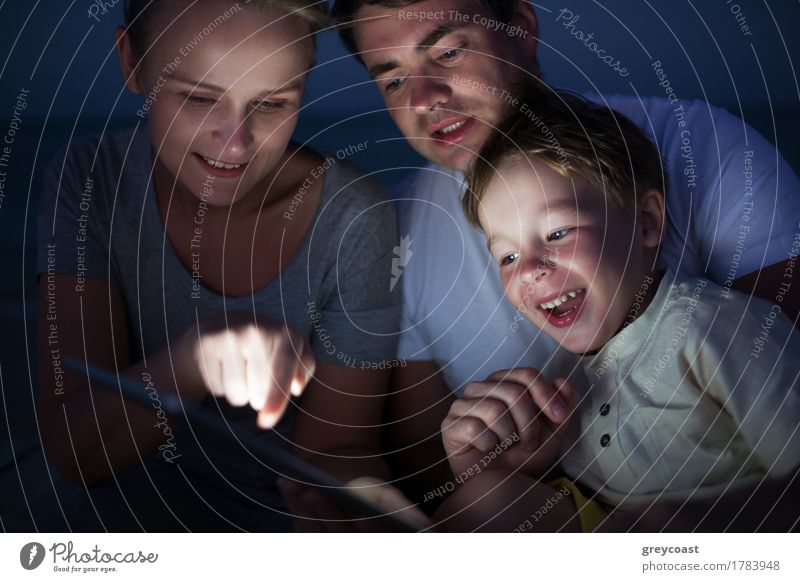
558 301
218 164
451 128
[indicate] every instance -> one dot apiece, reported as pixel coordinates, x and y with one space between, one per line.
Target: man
446 70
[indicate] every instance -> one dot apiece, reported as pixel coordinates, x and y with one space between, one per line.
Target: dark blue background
68 63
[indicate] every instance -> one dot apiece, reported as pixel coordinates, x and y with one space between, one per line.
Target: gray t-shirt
99 218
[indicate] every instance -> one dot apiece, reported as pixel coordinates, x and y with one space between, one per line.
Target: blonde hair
577 139
313 13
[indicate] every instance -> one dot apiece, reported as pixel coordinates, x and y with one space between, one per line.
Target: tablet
279 460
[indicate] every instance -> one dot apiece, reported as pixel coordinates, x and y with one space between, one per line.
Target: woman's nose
235 137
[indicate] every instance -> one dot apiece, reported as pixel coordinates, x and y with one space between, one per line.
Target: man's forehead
417 20
420 10
383 33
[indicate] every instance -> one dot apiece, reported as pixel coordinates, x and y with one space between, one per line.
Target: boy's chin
576 342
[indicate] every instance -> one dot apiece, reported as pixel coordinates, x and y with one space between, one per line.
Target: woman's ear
525 18
652 217
127 60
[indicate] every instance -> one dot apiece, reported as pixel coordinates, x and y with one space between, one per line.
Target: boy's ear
127 60
525 17
651 217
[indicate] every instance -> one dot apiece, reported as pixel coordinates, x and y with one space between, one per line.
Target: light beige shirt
698 396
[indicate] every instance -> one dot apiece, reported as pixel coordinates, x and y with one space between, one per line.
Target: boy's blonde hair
577 139
314 13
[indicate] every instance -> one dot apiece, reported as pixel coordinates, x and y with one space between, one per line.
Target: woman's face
223 85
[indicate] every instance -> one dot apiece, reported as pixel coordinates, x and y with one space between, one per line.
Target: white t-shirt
733 206
699 396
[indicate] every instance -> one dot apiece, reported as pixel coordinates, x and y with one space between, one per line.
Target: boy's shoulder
710 313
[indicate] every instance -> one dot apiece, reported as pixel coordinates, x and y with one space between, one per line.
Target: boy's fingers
461 433
522 376
518 402
493 413
568 393
549 401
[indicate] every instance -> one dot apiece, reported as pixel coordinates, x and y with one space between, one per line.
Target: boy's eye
558 234
508 259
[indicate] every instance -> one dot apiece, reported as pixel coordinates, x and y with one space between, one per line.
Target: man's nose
428 91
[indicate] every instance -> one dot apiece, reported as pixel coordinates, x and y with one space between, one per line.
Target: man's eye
508 259
450 54
393 84
558 234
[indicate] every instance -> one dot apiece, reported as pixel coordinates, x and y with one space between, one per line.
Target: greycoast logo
31 555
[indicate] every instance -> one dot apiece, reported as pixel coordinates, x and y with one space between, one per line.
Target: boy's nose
536 269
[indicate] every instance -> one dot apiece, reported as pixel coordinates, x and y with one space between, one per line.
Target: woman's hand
517 411
249 360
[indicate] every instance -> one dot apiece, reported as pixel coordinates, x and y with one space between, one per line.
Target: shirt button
605 409
604 440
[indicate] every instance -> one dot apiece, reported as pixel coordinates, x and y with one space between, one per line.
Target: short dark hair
577 139
344 12
137 13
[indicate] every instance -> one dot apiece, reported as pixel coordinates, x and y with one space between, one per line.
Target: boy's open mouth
564 310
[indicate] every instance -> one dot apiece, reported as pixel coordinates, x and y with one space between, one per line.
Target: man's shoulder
431 191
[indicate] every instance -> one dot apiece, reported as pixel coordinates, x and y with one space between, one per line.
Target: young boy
692 388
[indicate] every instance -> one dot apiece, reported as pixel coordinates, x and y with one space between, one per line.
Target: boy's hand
518 404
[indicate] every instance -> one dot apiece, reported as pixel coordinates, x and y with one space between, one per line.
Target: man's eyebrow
436 35
430 40
382 68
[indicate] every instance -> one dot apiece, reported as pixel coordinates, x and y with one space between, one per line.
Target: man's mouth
563 310
450 128
452 132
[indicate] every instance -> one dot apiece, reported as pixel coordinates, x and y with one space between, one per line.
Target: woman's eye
197 100
558 234
269 105
508 259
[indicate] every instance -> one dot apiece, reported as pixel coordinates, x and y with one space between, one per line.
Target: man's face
570 260
445 69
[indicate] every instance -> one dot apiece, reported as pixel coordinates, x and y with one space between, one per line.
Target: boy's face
442 70
557 240
225 96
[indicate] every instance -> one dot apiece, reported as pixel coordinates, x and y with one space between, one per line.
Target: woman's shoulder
100 158
347 178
